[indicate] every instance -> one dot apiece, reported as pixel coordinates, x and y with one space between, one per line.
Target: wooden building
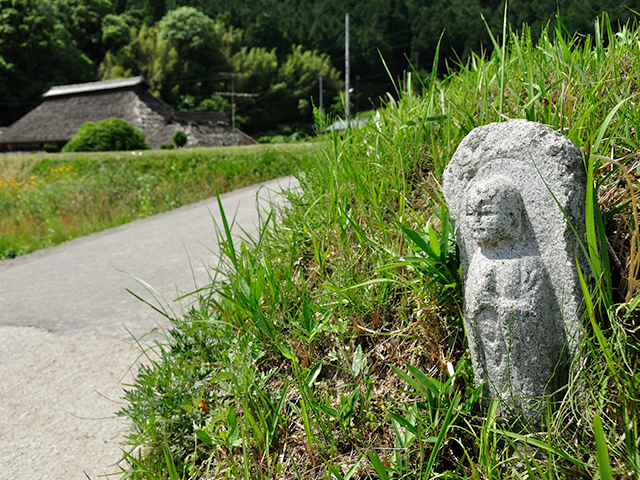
65 108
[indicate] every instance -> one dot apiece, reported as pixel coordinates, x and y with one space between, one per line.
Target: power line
236 94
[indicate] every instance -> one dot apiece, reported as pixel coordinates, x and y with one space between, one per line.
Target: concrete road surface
80 287
64 346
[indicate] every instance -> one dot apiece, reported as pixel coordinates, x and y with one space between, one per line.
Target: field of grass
332 346
47 199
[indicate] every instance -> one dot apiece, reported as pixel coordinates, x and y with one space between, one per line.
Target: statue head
494 212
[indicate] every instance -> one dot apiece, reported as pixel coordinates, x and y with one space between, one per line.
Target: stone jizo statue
521 292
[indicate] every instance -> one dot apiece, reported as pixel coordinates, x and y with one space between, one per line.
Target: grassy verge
46 199
333 346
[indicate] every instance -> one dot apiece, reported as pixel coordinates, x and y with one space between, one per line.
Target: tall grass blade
411 381
446 425
386 67
605 126
228 244
603 451
171 467
594 324
377 465
503 60
559 452
590 205
430 384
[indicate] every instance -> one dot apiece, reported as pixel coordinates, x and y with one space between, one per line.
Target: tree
230 39
116 32
197 39
83 20
191 33
146 55
264 31
215 103
106 136
36 52
300 74
119 6
456 24
287 90
153 11
194 37
259 69
184 46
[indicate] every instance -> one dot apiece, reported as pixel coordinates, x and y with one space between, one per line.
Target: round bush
105 136
180 139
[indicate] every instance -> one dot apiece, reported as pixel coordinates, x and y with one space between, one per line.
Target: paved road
64 346
79 287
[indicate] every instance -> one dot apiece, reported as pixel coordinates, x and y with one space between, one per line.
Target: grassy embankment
47 199
333 345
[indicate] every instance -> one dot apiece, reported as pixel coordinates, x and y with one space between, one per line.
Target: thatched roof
57 119
67 107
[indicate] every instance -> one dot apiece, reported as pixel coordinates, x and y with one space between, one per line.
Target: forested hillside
191 50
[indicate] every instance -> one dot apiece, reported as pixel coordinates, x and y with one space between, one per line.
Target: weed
335 338
49 199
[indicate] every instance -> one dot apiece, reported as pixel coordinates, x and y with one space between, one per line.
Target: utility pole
320 80
347 68
357 94
233 104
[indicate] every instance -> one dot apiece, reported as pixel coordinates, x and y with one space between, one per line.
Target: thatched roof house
67 107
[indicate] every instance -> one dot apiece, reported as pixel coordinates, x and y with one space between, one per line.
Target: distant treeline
189 49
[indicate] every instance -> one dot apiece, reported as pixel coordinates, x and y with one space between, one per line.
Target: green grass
46 199
332 345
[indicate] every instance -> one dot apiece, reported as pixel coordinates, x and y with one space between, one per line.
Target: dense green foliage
183 47
112 135
332 346
36 51
397 28
180 139
168 56
49 199
83 19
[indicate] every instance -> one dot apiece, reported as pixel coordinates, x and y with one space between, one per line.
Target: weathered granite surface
521 290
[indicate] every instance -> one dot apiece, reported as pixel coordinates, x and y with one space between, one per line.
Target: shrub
50 148
180 139
166 146
279 139
107 135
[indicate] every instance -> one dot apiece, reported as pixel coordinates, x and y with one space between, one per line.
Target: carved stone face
494 212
